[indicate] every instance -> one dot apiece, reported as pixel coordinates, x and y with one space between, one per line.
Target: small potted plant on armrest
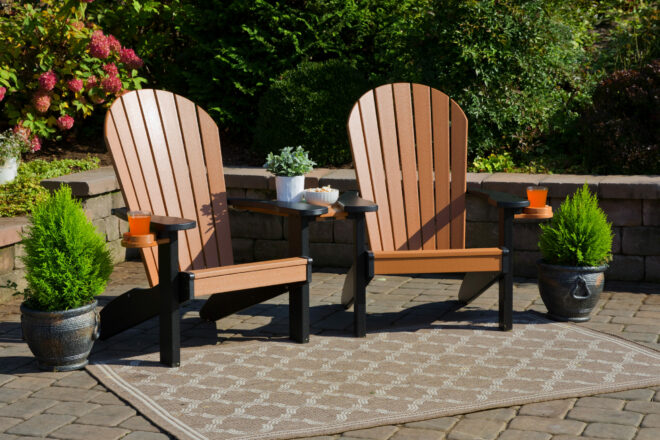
67 264
11 146
576 246
289 168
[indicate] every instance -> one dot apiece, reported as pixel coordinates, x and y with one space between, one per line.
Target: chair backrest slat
406 137
459 130
166 153
424 150
392 164
440 111
409 145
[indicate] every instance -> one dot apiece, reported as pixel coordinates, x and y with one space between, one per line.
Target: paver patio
35 404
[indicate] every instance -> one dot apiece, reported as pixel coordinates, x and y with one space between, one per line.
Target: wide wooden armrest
276 207
351 203
500 199
159 222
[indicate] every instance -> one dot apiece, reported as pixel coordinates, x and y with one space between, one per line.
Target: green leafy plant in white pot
576 246
289 168
12 145
67 265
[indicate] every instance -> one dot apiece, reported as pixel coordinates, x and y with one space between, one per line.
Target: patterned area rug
279 389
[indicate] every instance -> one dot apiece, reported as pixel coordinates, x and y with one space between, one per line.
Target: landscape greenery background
548 85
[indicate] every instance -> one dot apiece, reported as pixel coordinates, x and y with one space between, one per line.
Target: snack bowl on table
323 196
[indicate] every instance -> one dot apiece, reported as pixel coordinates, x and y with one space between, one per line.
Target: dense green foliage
66 261
12 145
308 106
578 234
21 195
289 162
622 129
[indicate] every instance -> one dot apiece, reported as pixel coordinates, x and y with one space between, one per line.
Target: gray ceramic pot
61 341
570 292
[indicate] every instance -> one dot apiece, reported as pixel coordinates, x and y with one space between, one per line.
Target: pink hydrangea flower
65 122
41 101
47 80
111 84
3 91
77 25
75 85
114 44
99 46
128 57
87 1
111 69
92 82
35 144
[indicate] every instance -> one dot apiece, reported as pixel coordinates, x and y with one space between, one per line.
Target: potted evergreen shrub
576 246
289 168
11 146
67 265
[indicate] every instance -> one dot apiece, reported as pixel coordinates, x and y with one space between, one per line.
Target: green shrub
20 196
578 234
66 260
289 162
309 106
621 131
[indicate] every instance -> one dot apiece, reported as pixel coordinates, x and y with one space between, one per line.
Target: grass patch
18 197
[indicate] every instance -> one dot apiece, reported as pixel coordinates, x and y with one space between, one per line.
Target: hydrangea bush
57 68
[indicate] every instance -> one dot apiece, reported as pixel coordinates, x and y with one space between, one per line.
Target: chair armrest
160 223
276 207
351 203
500 199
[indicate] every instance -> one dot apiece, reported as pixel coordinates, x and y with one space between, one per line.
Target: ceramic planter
290 189
61 340
9 170
570 292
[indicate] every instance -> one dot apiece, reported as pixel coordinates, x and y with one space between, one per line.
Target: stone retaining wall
632 204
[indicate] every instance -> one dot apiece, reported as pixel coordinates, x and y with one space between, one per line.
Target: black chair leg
299 313
506 301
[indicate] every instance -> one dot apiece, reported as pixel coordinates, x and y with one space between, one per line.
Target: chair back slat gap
459 128
375 161
423 137
359 151
440 122
406 138
392 164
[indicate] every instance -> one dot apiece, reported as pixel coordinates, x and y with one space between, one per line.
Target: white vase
290 189
8 170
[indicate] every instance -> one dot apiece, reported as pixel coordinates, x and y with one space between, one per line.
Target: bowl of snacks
321 196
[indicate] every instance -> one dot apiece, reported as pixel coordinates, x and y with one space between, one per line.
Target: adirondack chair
166 154
409 145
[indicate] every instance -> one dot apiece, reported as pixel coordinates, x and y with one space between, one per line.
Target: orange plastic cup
537 196
138 222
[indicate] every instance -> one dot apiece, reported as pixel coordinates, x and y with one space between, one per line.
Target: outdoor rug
279 389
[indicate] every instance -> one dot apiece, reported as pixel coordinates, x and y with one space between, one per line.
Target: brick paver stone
553 408
439 424
648 434
514 434
641 394
9 395
605 415
377 433
107 398
41 425
416 434
501 414
8 422
552 426
87 432
72 408
79 379
66 394
4 378
644 407
107 415
30 383
26 408
141 435
138 423
609 430
482 429
651 421
600 402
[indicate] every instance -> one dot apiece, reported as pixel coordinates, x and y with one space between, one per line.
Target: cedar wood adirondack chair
166 154
409 145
